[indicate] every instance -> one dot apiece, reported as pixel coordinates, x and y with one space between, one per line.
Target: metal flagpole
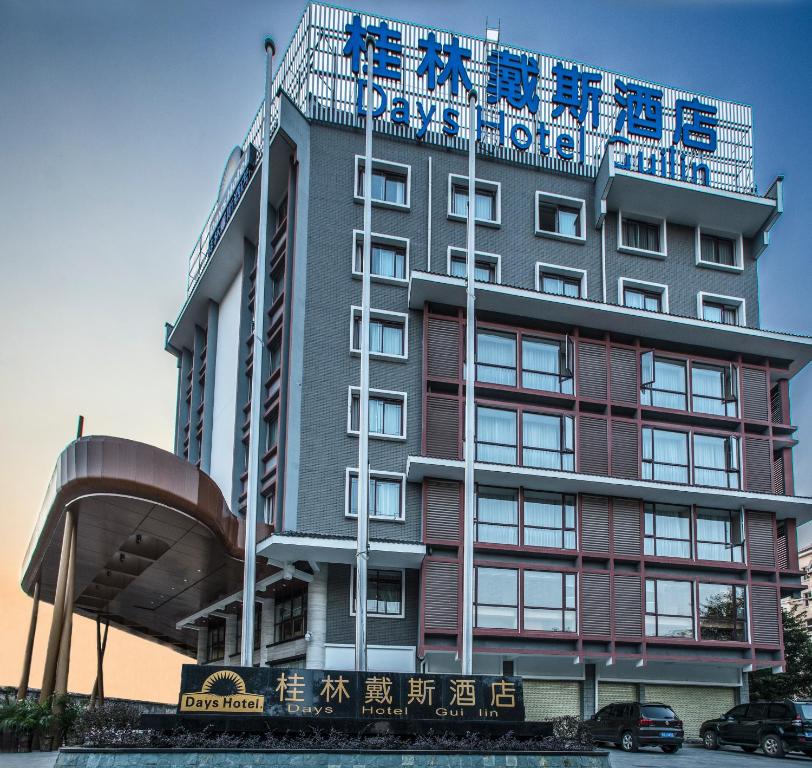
362 541
470 411
250 568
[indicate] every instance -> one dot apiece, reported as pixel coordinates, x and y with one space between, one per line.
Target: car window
804 710
737 711
779 712
757 712
603 714
657 712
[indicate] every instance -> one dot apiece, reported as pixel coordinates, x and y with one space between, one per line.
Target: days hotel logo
223 691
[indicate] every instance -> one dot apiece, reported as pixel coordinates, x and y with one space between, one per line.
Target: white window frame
385 393
375 473
402 613
737 301
557 269
572 202
643 285
483 184
399 168
382 314
492 258
380 239
738 249
663 254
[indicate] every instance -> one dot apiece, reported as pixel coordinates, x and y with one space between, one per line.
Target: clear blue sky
116 118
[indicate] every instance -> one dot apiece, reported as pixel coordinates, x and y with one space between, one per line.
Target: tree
796 681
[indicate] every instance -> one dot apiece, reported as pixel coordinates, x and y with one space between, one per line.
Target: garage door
608 693
546 699
693 703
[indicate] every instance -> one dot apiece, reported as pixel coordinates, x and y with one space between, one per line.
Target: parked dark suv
632 725
775 726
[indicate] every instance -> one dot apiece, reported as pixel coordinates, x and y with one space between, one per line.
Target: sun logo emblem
223 682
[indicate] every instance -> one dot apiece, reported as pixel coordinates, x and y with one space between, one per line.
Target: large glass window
714 389
290 616
560 285
387 186
718 250
485 203
663 382
496 358
549 520
497 515
216 640
547 441
497 598
722 612
719 535
669 608
387 260
484 271
549 601
665 455
716 461
384 592
384 497
385 415
547 365
385 337
641 234
667 530
495 435
560 219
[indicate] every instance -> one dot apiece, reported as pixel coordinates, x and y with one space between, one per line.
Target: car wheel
710 740
669 749
628 742
750 749
772 745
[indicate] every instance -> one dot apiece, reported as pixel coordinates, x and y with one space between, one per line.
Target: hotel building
635 518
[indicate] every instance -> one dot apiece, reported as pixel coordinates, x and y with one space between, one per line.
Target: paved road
697 757
27 760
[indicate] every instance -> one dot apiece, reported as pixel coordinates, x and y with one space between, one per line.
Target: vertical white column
252 503
317 619
230 646
362 543
470 409
266 632
202 645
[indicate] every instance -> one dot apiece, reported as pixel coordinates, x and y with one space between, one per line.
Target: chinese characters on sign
342 694
617 111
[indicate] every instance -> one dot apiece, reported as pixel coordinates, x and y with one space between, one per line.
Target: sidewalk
27 759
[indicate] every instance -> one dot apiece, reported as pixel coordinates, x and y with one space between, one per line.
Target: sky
116 119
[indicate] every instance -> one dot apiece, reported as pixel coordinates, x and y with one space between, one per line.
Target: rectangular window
277 283
641 235
668 530
386 337
560 285
719 535
717 312
384 592
485 203
484 271
667 387
549 520
387 260
497 515
548 441
496 358
549 601
722 612
560 219
497 598
385 415
271 431
275 357
718 250
665 455
637 298
716 461
669 608
257 628
384 497
388 186
290 616
495 435
547 365
216 641
714 389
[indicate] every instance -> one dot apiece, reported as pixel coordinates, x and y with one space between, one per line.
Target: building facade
803 602
635 509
